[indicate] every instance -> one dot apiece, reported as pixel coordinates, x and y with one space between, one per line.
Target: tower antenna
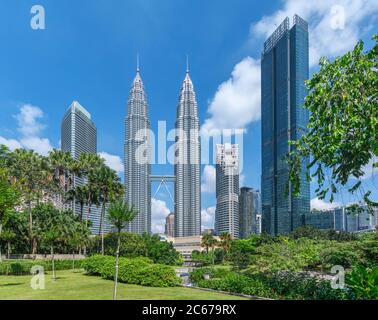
138 62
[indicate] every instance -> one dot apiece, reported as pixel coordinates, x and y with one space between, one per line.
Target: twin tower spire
137 155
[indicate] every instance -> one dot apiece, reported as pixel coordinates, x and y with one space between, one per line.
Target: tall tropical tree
225 242
9 197
85 166
119 215
79 195
107 183
30 171
342 140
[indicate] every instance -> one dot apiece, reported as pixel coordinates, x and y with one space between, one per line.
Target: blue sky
88 53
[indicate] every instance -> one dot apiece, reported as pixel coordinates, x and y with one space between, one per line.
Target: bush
340 255
236 283
363 283
23 267
134 245
275 286
141 271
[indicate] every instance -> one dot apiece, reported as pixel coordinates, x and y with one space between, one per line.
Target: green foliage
275 286
139 271
363 282
23 267
134 245
343 125
240 253
340 254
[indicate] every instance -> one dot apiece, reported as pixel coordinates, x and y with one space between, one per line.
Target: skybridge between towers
163 180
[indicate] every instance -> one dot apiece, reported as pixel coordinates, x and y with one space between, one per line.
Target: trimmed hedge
275 286
23 267
141 271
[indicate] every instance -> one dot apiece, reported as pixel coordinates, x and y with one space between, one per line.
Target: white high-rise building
187 164
79 135
137 158
227 190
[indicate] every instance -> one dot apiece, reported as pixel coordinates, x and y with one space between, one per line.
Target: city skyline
99 62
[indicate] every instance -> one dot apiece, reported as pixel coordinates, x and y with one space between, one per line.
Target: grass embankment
78 286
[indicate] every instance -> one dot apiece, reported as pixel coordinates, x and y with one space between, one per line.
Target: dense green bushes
23 267
141 271
134 245
274 286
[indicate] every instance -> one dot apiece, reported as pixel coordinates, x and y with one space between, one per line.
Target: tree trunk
53 263
81 211
1 230
116 268
73 261
9 250
30 226
102 228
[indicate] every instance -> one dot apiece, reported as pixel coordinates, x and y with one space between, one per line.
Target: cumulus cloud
208 179
207 218
12 144
28 120
112 161
159 212
334 26
237 100
30 127
318 204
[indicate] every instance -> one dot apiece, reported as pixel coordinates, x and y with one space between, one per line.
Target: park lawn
78 286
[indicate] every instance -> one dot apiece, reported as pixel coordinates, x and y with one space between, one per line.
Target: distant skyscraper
79 135
170 225
285 67
137 157
187 165
227 190
249 212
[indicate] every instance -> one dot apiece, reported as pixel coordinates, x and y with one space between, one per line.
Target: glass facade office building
249 212
284 69
79 135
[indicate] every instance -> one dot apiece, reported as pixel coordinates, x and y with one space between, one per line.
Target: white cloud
369 169
207 218
39 145
28 120
334 26
12 144
208 179
112 161
30 129
159 211
317 204
237 100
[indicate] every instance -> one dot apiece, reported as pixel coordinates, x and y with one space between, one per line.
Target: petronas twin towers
187 161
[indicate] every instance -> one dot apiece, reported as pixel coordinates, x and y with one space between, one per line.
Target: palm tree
106 182
80 196
119 214
9 197
30 171
208 241
225 243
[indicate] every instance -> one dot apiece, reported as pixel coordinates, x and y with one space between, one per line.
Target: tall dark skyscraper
187 164
249 212
137 157
284 69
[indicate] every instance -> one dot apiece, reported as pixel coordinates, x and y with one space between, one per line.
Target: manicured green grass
78 286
